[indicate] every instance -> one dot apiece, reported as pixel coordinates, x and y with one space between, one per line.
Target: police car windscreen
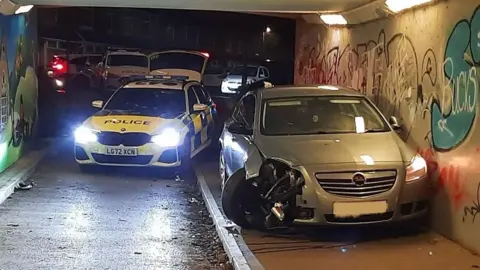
148 102
127 60
178 60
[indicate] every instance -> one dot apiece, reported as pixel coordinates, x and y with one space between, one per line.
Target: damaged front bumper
330 196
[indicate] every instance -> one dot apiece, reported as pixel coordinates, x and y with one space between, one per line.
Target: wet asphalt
110 219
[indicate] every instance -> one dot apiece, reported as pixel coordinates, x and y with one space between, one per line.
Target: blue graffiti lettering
454 113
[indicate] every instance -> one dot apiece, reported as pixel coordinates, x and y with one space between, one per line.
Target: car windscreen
178 60
127 60
148 101
320 115
240 70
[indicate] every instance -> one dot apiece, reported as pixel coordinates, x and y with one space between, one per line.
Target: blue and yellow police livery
158 121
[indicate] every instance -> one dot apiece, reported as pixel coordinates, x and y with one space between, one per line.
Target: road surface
117 219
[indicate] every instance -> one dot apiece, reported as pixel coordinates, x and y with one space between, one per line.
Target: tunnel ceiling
282 6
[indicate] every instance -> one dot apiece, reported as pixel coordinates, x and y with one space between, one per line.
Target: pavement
369 248
111 219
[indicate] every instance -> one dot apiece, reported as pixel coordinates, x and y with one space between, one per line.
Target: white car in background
179 63
120 65
234 78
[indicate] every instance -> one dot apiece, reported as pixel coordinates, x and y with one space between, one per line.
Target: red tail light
59 65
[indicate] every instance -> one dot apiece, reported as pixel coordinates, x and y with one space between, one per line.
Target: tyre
237 204
186 171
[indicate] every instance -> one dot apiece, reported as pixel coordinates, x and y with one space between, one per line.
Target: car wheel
222 170
186 172
240 204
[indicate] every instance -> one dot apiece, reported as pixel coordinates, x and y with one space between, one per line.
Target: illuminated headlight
417 168
84 135
168 138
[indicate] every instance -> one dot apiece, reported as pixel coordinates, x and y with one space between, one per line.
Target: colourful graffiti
18 85
454 114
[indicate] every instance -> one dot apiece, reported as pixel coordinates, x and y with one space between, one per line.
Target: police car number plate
121 151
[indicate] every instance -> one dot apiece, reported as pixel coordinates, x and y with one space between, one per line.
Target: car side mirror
199 107
239 128
394 123
97 104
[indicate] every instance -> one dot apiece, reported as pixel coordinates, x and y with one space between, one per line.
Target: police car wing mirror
199 107
97 104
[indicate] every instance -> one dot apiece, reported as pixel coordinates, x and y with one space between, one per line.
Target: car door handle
234 138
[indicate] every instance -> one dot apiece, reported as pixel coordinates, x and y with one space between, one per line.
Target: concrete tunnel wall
422 66
18 85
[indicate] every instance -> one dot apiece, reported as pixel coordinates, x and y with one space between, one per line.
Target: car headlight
85 135
168 138
417 168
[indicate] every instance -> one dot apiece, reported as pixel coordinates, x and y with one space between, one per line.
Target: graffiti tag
473 210
453 114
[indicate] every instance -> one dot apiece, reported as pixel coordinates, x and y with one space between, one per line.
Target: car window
267 74
240 70
320 115
127 60
192 98
200 94
79 61
249 110
147 101
261 74
245 111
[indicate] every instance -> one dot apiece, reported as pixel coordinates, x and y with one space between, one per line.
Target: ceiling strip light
399 5
333 19
23 9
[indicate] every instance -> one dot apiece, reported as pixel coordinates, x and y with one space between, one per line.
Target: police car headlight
168 138
84 135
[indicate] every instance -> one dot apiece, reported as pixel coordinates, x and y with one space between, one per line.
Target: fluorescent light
333 19
24 9
399 5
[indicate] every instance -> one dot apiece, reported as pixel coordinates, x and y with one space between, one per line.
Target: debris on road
203 234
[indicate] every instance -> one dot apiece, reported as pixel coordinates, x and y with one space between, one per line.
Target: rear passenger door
199 125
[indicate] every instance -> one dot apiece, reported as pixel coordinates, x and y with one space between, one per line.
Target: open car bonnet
181 63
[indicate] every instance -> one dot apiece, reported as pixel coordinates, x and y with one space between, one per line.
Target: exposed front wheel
240 203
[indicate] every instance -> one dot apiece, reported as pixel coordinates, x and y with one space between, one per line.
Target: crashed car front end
302 171
334 194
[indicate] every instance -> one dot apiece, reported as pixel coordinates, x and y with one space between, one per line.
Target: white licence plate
356 209
121 151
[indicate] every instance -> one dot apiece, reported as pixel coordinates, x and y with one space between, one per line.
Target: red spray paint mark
449 178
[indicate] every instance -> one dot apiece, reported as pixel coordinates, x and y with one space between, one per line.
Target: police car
153 120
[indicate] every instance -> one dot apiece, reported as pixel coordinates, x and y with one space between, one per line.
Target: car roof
152 84
310 90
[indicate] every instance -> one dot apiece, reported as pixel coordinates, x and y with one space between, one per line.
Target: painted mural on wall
18 85
433 90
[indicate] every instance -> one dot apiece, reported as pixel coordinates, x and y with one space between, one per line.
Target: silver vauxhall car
317 155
